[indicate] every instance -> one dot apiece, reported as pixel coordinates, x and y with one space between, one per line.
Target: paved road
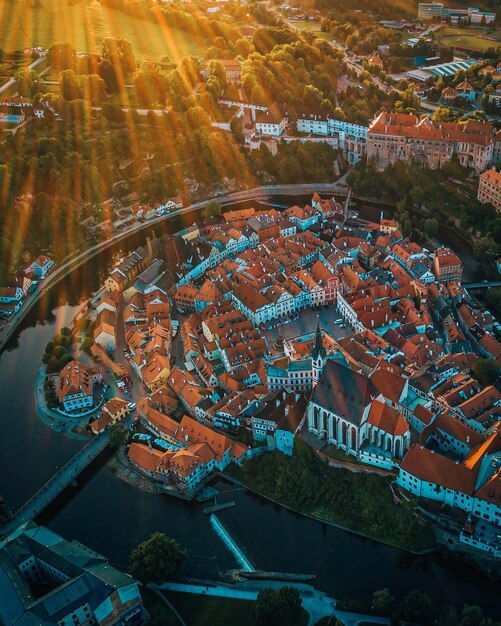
257 193
12 80
316 603
139 111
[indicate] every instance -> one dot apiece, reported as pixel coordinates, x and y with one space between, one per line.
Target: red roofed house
113 411
489 188
447 266
75 385
41 266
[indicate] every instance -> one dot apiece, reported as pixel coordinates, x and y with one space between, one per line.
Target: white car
131 405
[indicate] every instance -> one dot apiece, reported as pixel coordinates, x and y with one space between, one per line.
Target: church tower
318 355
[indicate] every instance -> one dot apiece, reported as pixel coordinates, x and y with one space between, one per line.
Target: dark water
112 517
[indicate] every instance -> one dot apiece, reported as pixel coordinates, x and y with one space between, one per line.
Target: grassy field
468 38
85 25
204 611
311 27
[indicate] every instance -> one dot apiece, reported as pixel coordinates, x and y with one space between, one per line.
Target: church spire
318 348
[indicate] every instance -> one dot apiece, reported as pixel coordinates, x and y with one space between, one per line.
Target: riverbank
357 503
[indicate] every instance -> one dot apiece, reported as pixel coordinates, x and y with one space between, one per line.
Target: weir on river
244 562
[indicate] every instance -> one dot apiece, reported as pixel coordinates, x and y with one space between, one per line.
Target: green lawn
208 611
85 25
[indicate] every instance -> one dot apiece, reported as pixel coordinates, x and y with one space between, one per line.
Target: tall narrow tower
318 355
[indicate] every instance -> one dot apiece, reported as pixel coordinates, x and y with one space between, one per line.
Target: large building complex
470 15
400 136
46 580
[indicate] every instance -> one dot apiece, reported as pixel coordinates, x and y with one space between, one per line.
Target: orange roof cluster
409 125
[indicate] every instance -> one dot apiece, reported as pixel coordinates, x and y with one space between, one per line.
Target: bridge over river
483 284
53 487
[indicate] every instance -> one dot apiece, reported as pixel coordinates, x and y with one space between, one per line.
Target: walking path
316 603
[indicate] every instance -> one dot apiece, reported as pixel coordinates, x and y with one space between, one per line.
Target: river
112 516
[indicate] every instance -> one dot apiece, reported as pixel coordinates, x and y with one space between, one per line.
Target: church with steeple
318 356
301 367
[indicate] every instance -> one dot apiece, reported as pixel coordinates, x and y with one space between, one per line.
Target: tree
64 360
212 209
441 114
107 73
118 433
93 89
237 128
52 364
119 52
431 226
381 601
486 247
280 607
69 85
60 351
29 83
486 371
157 559
474 616
416 607
62 56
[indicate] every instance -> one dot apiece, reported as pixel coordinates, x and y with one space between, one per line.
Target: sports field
85 24
477 40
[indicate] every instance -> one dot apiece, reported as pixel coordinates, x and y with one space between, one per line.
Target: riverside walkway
316 603
53 487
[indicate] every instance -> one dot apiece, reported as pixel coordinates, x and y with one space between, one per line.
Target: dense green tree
29 83
69 85
486 371
277 607
157 559
120 53
64 360
62 56
212 209
118 434
60 351
486 248
416 607
92 88
382 601
52 364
